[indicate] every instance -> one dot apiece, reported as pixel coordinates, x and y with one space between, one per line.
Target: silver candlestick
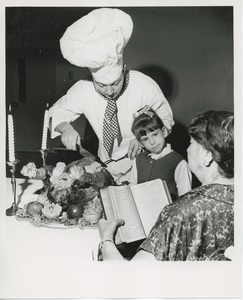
11 211
44 155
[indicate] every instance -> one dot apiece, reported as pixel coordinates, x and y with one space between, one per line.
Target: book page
109 209
110 212
126 210
150 198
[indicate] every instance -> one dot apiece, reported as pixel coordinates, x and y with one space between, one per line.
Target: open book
139 205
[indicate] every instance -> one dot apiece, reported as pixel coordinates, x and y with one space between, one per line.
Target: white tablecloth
32 257
57 263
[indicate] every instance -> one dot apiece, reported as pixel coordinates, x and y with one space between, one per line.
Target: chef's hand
107 230
69 136
134 149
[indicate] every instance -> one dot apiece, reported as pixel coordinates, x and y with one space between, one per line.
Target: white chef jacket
82 98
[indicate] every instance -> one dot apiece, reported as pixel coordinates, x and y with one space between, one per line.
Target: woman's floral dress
199 226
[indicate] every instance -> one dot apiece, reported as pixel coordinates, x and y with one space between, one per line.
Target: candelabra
44 155
11 211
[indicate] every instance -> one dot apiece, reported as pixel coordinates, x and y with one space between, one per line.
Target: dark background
188 51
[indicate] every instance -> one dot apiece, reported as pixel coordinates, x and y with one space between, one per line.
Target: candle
11 151
45 129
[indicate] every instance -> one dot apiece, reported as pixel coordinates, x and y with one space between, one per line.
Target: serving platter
60 222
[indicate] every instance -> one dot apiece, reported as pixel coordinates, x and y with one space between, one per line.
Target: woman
200 225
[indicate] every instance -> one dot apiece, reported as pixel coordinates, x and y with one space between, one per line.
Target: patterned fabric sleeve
196 227
166 238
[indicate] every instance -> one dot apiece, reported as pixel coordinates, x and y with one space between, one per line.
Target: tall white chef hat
97 41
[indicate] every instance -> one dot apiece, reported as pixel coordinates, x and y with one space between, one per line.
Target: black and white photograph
121 169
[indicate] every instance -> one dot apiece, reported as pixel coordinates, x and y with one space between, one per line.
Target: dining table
61 263
43 261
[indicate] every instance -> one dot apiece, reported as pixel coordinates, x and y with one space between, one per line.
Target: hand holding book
139 206
107 230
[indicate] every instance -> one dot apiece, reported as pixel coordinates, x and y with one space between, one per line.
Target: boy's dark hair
146 122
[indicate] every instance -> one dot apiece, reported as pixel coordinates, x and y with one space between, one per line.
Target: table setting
49 233
70 193
44 261
46 251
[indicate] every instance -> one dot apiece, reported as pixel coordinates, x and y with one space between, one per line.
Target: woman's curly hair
214 130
